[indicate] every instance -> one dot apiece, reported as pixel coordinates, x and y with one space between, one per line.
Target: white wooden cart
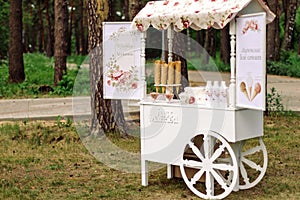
208 144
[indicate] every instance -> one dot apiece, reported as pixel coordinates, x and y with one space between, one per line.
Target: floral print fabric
196 14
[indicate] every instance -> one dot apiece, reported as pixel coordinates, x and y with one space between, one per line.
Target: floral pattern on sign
123 80
251 25
117 33
196 14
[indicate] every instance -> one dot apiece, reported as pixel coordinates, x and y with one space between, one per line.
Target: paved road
50 108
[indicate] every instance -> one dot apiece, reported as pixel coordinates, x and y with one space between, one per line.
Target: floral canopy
196 14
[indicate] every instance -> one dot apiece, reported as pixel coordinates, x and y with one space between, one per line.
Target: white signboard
121 61
251 61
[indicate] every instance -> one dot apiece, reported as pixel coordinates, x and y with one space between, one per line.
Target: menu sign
251 61
121 61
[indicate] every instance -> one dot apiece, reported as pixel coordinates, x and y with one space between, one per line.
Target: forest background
38 33
48 34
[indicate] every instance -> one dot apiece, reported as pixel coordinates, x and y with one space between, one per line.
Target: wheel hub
207 164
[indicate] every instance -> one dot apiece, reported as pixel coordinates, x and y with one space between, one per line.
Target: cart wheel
253 162
204 154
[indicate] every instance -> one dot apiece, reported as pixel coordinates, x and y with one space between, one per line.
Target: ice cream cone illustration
244 90
257 90
157 71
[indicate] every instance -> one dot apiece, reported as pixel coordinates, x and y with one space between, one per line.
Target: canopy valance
196 14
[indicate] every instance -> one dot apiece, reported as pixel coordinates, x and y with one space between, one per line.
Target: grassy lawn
47 160
39 73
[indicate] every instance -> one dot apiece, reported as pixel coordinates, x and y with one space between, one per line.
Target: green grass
289 65
47 160
39 71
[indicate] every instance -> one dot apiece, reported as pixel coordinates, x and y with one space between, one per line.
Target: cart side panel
166 129
161 133
249 124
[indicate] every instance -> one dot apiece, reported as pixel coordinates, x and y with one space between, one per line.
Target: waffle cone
164 73
255 93
157 71
171 73
246 94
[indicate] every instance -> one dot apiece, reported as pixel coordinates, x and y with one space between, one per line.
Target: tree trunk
209 45
210 42
134 8
103 115
16 63
71 25
225 45
41 27
179 54
273 33
117 107
61 44
299 46
49 43
84 31
291 8
80 28
125 5
34 31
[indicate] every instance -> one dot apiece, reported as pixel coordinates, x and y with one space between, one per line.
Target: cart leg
169 171
144 172
237 151
209 182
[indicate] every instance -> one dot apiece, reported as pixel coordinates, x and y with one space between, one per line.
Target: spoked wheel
253 162
205 153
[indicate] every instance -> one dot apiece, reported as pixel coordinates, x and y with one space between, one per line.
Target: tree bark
16 63
273 33
299 46
50 37
134 8
210 42
61 44
209 45
225 45
71 26
179 55
80 28
125 5
291 8
41 27
103 113
117 107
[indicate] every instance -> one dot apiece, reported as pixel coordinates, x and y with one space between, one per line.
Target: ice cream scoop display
213 134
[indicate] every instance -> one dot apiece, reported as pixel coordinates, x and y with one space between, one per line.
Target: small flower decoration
192 100
140 27
251 25
166 2
185 22
134 85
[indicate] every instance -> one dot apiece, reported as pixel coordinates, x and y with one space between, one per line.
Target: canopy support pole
232 86
143 63
170 43
170 59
